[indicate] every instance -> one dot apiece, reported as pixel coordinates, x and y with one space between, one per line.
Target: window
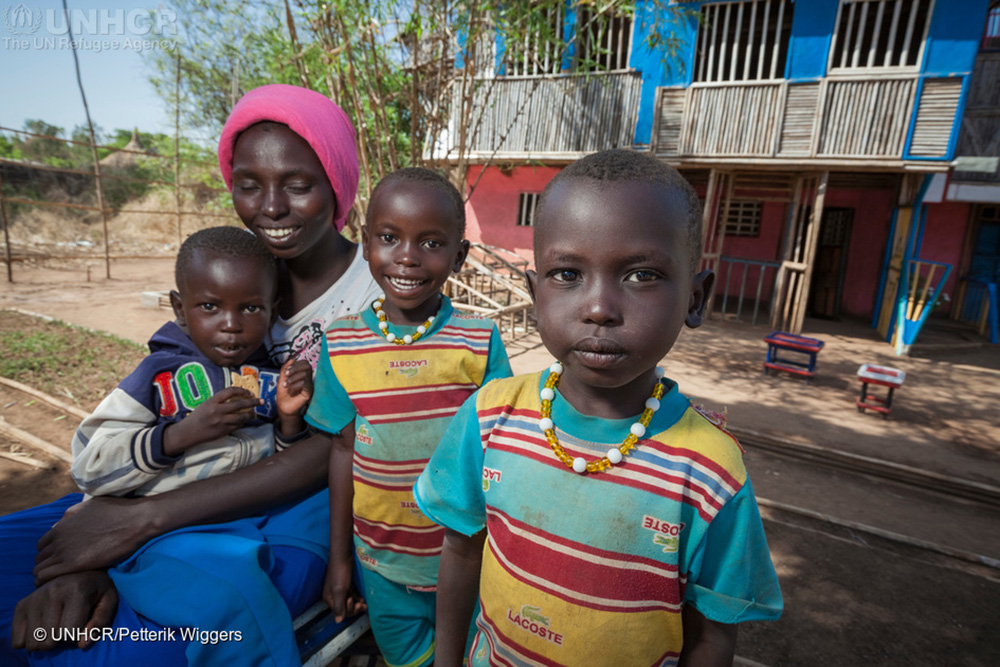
744 217
874 34
991 37
527 204
540 51
985 264
743 41
601 40
605 40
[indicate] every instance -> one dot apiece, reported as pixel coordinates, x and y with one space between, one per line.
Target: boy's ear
463 252
178 306
532 281
701 291
364 242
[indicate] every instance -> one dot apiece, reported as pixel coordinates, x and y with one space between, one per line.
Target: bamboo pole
780 300
812 241
34 441
4 220
93 144
45 398
177 148
26 460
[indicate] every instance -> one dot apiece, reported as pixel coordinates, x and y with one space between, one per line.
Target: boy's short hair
626 165
432 178
225 241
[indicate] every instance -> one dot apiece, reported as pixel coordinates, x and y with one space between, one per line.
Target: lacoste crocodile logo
665 534
532 620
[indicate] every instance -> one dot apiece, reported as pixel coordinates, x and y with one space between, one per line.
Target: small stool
880 375
780 340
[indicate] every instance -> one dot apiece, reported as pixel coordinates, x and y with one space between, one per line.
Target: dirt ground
944 417
850 599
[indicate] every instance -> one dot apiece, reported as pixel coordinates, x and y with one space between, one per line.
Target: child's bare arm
337 588
706 643
224 412
295 389
457 590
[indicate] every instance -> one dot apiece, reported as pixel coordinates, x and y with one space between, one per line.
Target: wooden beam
26 460
34 442
812 242
42 396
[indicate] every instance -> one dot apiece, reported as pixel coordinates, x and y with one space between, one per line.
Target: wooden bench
870 374
780 341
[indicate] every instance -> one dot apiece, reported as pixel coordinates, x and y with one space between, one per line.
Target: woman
288 156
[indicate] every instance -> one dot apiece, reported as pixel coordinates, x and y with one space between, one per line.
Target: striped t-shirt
595 569
402 399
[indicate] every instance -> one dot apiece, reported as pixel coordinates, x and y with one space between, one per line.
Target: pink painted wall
766 247
944 238
491 211
869 237
492 215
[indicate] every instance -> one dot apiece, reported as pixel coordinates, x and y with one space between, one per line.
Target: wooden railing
752 283
493 284
835 118
519 116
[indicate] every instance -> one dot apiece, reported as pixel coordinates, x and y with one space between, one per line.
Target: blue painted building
822 135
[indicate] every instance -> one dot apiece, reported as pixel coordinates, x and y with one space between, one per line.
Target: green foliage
54 354
224 49
408 72
9 149
124 180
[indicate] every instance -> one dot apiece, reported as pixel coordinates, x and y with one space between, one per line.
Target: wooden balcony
550 117
834 121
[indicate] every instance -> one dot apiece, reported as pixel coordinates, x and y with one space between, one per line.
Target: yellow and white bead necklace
615 454
383 324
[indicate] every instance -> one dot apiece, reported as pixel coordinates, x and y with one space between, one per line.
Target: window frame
744 228
526 214
847 71
704 65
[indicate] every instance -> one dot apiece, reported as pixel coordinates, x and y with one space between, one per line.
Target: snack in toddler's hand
248 382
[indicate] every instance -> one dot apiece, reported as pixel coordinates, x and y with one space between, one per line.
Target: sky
37 77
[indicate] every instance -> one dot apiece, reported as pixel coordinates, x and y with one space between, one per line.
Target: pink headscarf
312 116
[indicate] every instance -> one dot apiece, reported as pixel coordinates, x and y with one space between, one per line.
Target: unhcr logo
23 19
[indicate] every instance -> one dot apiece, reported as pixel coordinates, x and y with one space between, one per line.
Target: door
831 262
985 264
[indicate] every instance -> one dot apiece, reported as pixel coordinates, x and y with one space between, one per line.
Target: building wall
492 214
952 43
869 237
491 211
953 38
812 35
944 239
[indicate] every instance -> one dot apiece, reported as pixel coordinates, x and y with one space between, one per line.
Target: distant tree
408 72
46 147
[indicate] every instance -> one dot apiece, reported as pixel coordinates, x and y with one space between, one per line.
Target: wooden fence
14 173
567 114
849 118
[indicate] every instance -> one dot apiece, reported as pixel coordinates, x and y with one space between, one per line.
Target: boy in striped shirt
620 525
389 381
